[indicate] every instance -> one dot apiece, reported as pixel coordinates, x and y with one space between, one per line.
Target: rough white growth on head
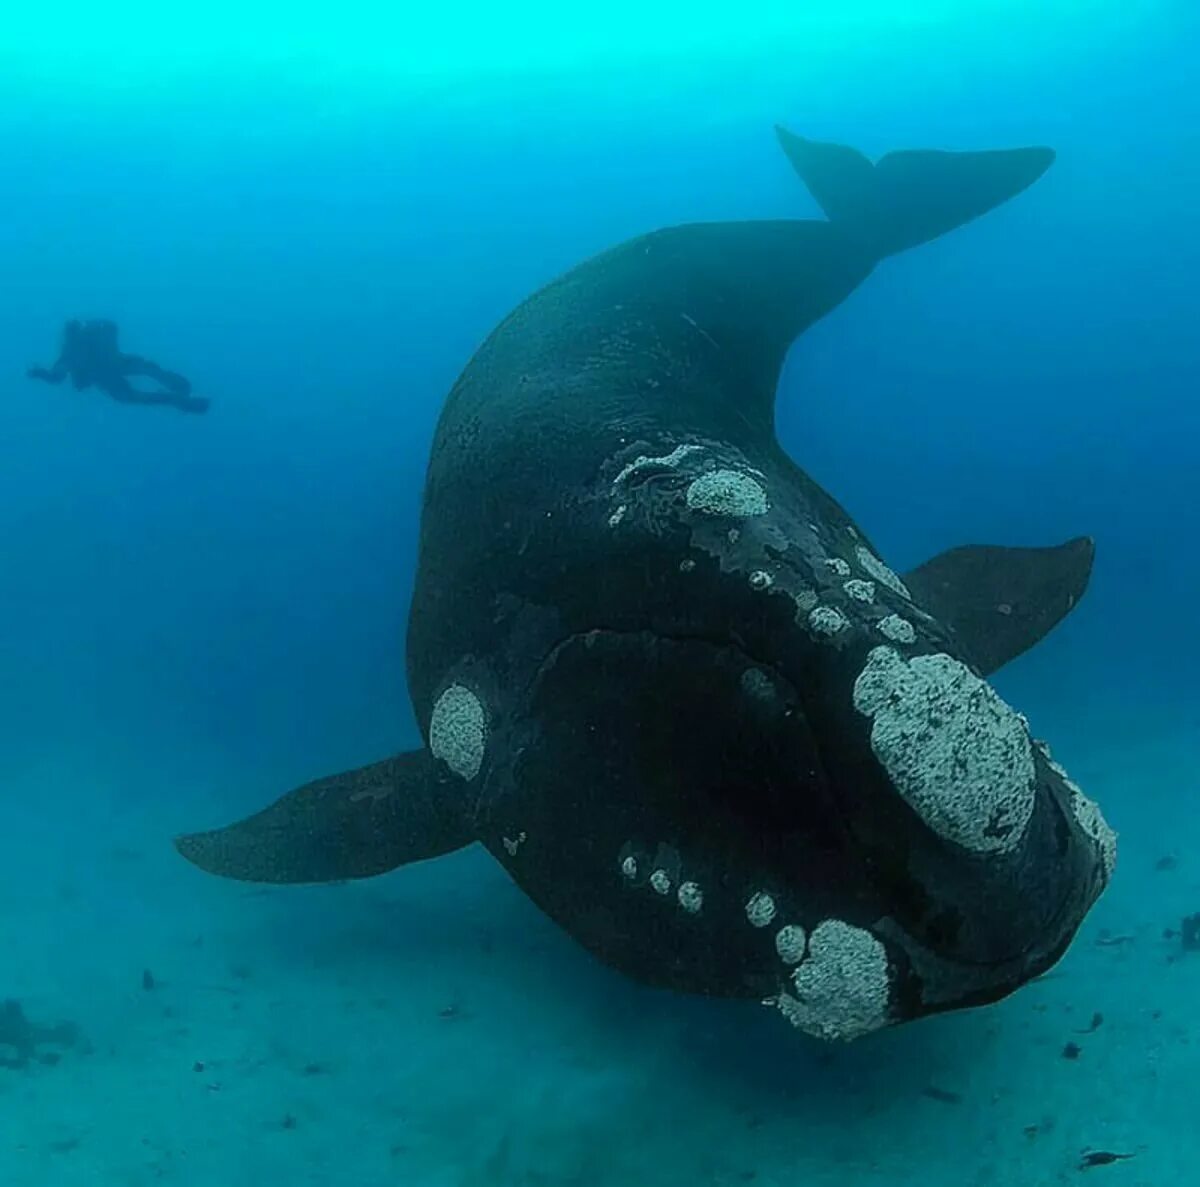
1089 817
898 629
687 565
458 731
671 460
760 910
806 599
661 881
761 579
727 493
841 987
860 591
733 535
880 571
954 750
838 565
1087 814
789 943
826 620
691 897
629 867
512 844
618 515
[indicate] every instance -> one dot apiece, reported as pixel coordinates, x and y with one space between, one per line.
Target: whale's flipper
353 825
910 197
1000 601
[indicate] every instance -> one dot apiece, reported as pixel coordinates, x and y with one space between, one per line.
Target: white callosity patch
512 844
727 493
898 629
805 600
826 620
841 986
760 909
958 754
691 897
838 566
661 881
761 579
619 514
458 731
668 460
629 867
860 591
1087 815
789 943
877 569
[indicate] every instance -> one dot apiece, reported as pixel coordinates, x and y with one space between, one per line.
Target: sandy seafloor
430 1027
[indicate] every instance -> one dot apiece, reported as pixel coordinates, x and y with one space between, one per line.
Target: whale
671 685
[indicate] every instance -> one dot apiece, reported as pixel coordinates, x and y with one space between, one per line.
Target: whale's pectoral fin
1000 601
353 825
909 197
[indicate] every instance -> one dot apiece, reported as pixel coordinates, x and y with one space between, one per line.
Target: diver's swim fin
353 825
909 197
1000 601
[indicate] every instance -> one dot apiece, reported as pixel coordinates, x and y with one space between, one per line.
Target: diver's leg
124 393
132 364
121 391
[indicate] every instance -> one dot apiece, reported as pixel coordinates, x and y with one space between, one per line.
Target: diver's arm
55 374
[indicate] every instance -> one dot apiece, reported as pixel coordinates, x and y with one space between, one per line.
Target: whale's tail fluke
907 198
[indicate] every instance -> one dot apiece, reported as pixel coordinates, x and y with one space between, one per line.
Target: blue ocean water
198 613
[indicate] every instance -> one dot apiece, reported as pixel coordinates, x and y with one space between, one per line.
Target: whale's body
669 683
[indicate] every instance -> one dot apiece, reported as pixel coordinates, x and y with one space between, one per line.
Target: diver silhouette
90 357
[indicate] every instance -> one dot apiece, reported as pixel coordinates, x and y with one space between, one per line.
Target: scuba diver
90 358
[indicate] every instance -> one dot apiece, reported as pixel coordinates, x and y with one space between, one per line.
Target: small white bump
629 867
789 943
512 844
618 515
760 579
826 620
860 591
760 909
661 882
898 629
806 600
691 897
687 565
839 566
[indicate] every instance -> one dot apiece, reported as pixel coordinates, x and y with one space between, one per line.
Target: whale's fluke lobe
909 197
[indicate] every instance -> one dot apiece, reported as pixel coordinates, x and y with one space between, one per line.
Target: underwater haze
318 217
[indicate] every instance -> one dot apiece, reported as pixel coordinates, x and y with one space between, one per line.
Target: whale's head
792 776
